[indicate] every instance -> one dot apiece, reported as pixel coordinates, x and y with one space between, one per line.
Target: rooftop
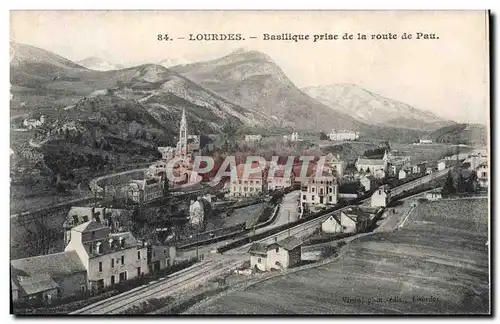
364 161
56 265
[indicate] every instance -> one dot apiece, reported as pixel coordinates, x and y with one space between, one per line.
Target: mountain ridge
369 107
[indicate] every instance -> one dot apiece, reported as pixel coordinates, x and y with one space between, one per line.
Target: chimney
275 239
92 213
98 247
122 242
110 241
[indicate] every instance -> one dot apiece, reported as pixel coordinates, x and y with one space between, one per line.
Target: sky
448 76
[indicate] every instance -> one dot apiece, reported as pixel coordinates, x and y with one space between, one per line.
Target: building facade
278 255
145 190
482 173
109 258
381 197
371 165
343 135
317 190
243 185
51 276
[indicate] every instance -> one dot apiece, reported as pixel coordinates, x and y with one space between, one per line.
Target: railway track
210 269
162 288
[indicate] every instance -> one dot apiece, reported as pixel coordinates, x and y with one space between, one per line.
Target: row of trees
460 185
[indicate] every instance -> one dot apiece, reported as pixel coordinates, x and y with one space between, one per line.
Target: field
436 264
240 215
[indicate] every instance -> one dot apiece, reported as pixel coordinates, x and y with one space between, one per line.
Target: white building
433 195
483 173
253 138
402 174
425 141
246 186
371 165
319 190
108 258
113 218
278 255
367 181
381 197
332 225
343 135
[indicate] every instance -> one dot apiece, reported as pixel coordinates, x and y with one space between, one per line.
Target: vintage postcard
250 162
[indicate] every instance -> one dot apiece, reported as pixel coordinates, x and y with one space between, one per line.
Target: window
139 255
100 266
259 260
312 189
82 288
112 263
277 250
85 219
75 219
331 198
304 197
483 174
123 259
312 197
112 280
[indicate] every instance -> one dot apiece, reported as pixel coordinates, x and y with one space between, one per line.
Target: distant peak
241 50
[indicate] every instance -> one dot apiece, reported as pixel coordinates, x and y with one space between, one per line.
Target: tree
323 136
229 130
460 184
471 183
39 235
165 185
448 187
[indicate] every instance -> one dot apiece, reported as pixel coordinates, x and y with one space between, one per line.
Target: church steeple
183 134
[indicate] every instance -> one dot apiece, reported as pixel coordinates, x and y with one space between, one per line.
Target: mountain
371 108
474 134
97 64
103 119
173 62
252 80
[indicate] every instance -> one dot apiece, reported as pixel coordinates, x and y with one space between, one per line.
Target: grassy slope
446 258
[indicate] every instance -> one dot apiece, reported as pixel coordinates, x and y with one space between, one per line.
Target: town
279 214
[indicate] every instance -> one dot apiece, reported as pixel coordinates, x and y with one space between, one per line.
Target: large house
113 218
277 255
160 257
381 197
249 185
351 220
372 166
319 190
482 173
343 135
145 190
48 277
281 179
109 258
367 181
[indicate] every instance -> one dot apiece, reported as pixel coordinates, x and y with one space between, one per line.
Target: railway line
211 268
